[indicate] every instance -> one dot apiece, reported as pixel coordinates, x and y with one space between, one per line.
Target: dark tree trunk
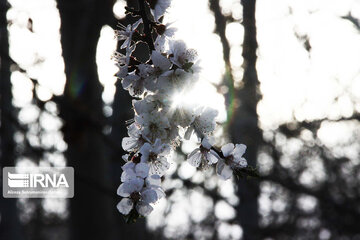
10 228
244 126
81 109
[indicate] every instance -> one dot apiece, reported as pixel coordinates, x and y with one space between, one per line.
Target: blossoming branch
162 119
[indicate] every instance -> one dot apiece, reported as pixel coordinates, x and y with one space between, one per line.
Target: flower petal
125 157
127 175
159 43
144 209
160 192
165 165
128 165
242 163
239 150
189 132
134 131
212 157
144 106
160 61
194 158
123 71
156 146
136 24
149 195
145 148
206 143
129 80
223 170
142 170
227 149
193 152
164 150
153 180
138 184
125 189
159 167
129 143
206 121
125 43
125 206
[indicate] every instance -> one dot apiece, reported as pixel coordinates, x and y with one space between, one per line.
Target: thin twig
147 23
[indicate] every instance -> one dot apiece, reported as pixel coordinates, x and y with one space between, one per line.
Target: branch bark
147 25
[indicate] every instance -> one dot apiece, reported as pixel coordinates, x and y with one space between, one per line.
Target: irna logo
45 180
38 182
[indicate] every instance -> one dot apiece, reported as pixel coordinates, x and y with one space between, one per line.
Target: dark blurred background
283 74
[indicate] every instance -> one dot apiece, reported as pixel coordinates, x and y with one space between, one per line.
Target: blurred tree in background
308 189
9 225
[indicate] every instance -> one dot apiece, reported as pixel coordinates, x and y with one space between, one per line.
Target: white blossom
153 125
131 186
136 83
122 63
164 84
180 55
161 67
161 64
154 181
182 113
232 160
203 156
204 123
125 206
155 155
134 193
144 105
123 71
173 81
162 101
135 139
126 33
133 170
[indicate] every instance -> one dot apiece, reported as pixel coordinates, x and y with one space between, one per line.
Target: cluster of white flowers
161 122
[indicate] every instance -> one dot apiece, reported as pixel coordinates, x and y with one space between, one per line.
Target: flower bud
160 28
